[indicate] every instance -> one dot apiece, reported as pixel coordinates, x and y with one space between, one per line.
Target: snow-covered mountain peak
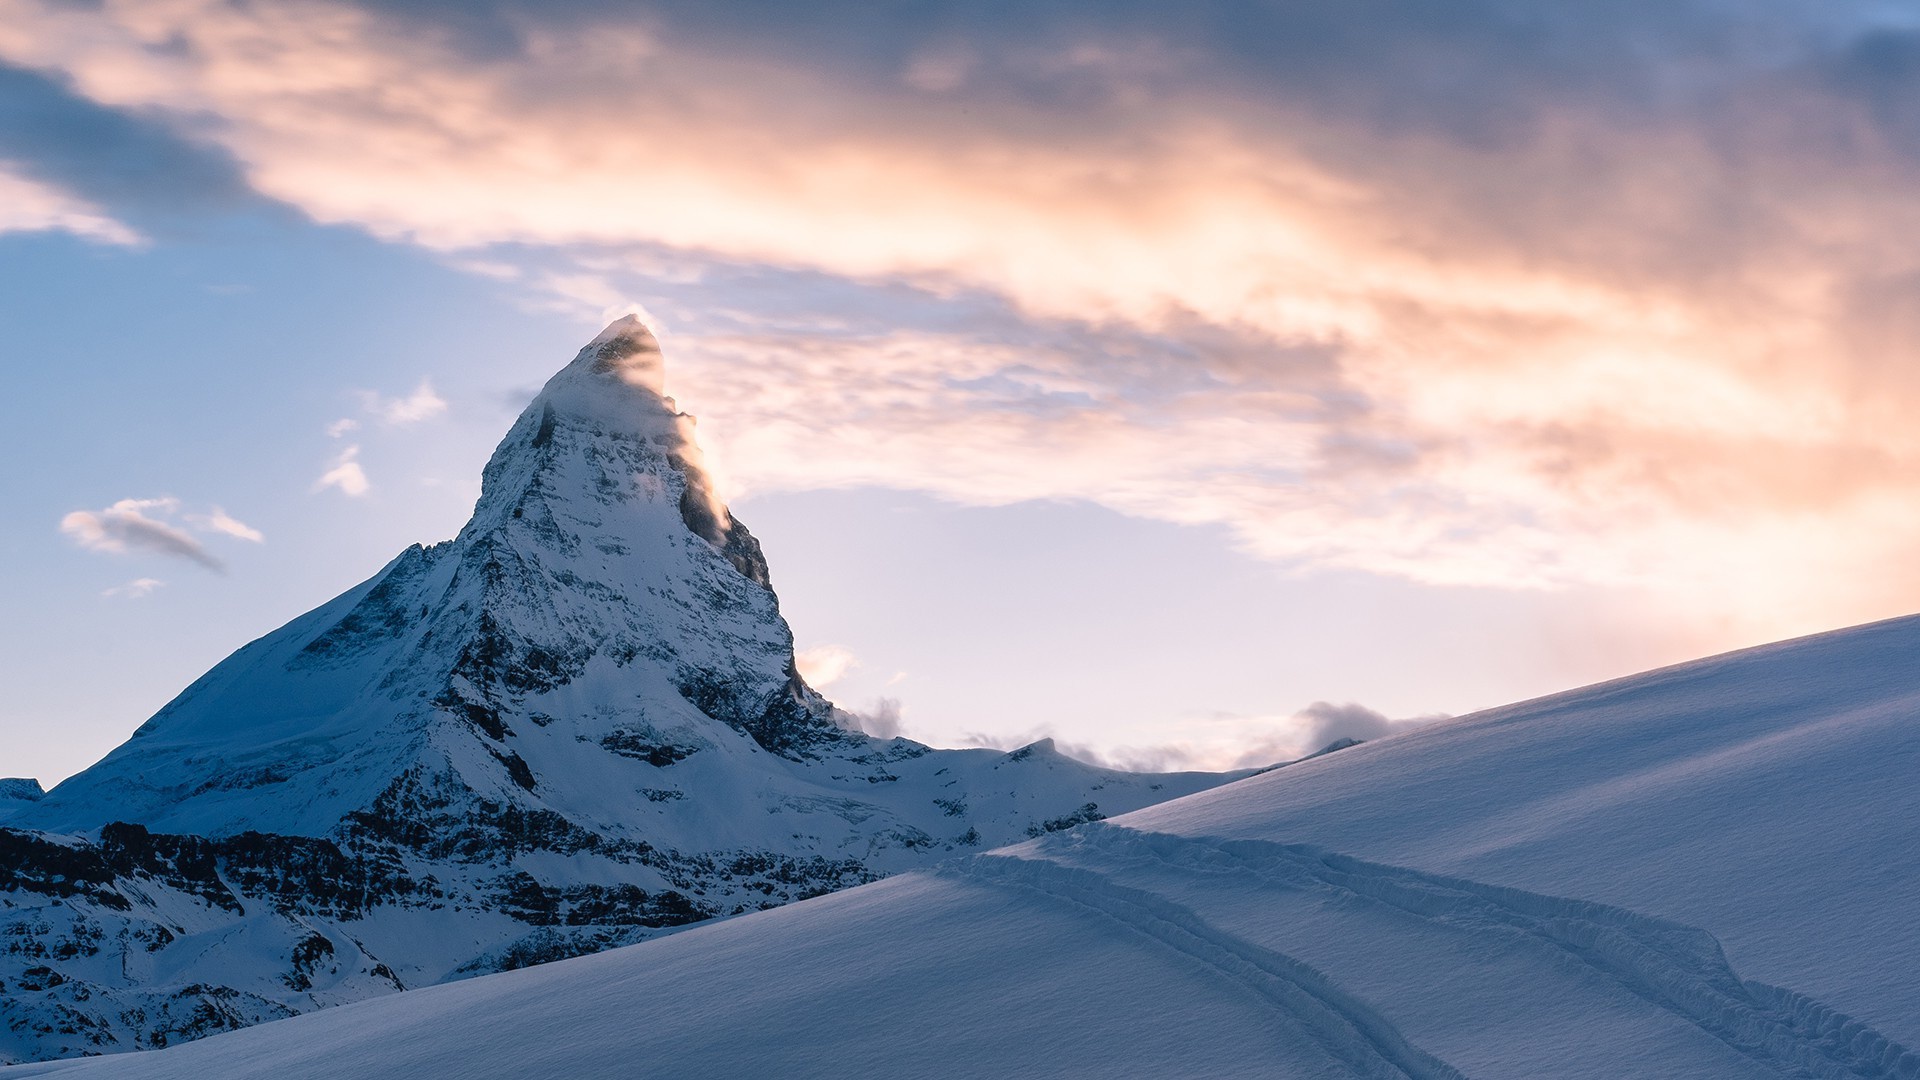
577 722
624 350
627 349
599 578
610 404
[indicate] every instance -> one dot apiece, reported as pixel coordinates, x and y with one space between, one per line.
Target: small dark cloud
1325 722
1321 725
125 526
880 720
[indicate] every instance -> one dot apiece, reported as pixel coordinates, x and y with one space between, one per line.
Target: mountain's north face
572 726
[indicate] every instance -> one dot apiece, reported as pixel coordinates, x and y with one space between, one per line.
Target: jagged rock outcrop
575 724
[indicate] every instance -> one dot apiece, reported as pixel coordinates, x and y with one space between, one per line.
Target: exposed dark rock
1089 812
305 959
784 722
32 863
640 747
530 901
544 434
383 613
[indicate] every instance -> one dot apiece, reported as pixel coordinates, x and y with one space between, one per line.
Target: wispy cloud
824 665
341 426
1527 296
880 719
135 589
222 522
345 474
126 526
28 205
1218 741
1323 723
420 405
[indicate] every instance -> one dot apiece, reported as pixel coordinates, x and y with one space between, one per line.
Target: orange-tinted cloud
1541 339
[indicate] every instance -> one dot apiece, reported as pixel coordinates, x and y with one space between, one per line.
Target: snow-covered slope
1706 871
571 726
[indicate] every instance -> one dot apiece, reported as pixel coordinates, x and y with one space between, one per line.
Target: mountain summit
600 596
571 726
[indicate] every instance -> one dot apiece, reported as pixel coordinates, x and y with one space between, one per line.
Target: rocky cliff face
575 724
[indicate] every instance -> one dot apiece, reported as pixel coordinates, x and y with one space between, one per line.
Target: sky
1189 383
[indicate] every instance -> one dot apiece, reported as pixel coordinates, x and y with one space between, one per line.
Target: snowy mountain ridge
1707 871
573 725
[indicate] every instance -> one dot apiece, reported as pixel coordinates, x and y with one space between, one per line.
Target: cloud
221 522
1269 741
1325 723
823 665
1156 758
487 268
1223 741
1481 293
880 720
125 526
420 405
132 162
135 589
341 426
27 205
345 474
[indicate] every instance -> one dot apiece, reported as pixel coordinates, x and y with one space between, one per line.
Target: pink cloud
1585 352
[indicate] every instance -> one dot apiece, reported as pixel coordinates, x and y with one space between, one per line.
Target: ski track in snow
1679 969
1347 1028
